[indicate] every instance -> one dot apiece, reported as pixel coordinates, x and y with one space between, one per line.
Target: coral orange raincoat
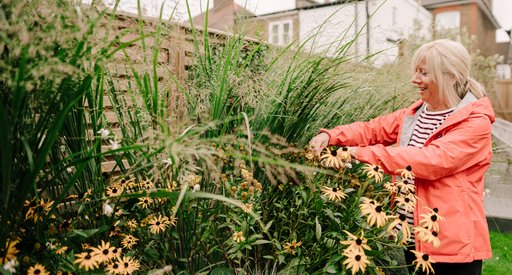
449 170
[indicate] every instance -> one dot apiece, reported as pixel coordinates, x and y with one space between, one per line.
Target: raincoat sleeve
381 130
453 150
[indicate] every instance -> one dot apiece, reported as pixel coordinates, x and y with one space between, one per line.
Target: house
224 16
475 16
324 25
504 68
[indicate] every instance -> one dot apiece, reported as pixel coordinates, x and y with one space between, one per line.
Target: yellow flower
330 158
64 273
334 194
10 246
132 224
345 154
356 260
86 261
430 220
425 235
37 269
238 236
374 171
173 221
158 224
423 261
405 228
407 202
405 186
129 241
144 202
406 173
291 247
115 268
114 190
61 250
356 243
129 264
104 252
126 182
146 185
247 208
373 209
38 209
391 188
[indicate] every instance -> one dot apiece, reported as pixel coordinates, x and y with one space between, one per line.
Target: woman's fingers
318 143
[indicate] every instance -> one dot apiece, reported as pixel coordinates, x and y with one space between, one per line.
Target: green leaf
261 242
318 229
86 233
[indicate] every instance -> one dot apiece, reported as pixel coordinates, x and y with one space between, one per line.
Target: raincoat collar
461 111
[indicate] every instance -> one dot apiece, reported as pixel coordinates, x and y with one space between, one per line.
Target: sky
502 9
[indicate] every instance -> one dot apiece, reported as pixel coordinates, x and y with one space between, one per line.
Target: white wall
393 19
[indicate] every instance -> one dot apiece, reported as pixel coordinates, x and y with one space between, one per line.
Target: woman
446 139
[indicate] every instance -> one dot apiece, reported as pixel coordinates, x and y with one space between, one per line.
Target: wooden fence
501 98
176 56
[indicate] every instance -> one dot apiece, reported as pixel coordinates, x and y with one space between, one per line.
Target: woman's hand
318 143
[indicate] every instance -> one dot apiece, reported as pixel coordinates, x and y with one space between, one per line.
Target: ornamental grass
225 186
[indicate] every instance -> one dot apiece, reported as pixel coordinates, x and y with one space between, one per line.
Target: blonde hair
449 65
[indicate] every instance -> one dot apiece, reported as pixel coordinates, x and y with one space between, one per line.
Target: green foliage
228 188
501 259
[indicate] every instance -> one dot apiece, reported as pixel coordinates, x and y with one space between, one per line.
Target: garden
210 173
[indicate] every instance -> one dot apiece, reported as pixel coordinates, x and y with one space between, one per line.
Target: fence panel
502 98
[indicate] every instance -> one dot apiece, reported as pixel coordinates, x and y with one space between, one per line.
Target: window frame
280 32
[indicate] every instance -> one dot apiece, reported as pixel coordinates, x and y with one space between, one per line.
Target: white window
503 71
448 20
280 32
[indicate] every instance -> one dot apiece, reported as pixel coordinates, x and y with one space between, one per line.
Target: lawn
501 261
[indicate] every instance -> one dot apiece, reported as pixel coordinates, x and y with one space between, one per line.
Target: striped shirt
426 124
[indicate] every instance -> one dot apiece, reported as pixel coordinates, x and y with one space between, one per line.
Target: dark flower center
378 209
334 189
434 233
407 200
402 217
115 266
114 190
376 168
406 182
65 224
126 265
359 241
425 257
105 251
358 258
408 168
88 257
114 251
146 201
37 271
372 202
344 149
123 181
433 218
334 153
436 210
157 223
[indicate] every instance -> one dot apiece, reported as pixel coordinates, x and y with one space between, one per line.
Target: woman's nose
415 79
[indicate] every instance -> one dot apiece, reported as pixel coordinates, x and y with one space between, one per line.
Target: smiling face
428 88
